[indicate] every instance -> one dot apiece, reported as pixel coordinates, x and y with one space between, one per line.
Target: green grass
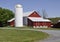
7 35
26 27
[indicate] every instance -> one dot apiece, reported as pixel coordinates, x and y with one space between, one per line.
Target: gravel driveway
55 36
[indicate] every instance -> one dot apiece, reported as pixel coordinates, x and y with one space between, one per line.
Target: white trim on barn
38 19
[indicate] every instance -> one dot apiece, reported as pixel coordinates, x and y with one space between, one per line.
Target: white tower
18 16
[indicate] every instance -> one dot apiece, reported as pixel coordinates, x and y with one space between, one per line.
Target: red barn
29 14
11 22
38 22
33 19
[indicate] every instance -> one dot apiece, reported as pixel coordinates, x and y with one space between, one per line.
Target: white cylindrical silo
18 16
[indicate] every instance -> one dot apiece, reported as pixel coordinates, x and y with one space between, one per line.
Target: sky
52 7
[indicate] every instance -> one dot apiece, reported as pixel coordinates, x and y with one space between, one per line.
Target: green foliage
5 15
54 20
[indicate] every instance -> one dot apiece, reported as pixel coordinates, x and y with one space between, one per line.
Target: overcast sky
52 7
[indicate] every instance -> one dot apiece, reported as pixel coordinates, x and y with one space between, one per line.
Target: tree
54 20
5 15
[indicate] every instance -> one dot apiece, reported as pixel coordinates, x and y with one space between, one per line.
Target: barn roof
28 13
38 19
11 20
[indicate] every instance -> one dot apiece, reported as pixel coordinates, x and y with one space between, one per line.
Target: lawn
30 28
9 35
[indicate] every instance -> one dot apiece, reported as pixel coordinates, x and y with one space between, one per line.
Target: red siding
34 14
49 24
11 23
42 24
